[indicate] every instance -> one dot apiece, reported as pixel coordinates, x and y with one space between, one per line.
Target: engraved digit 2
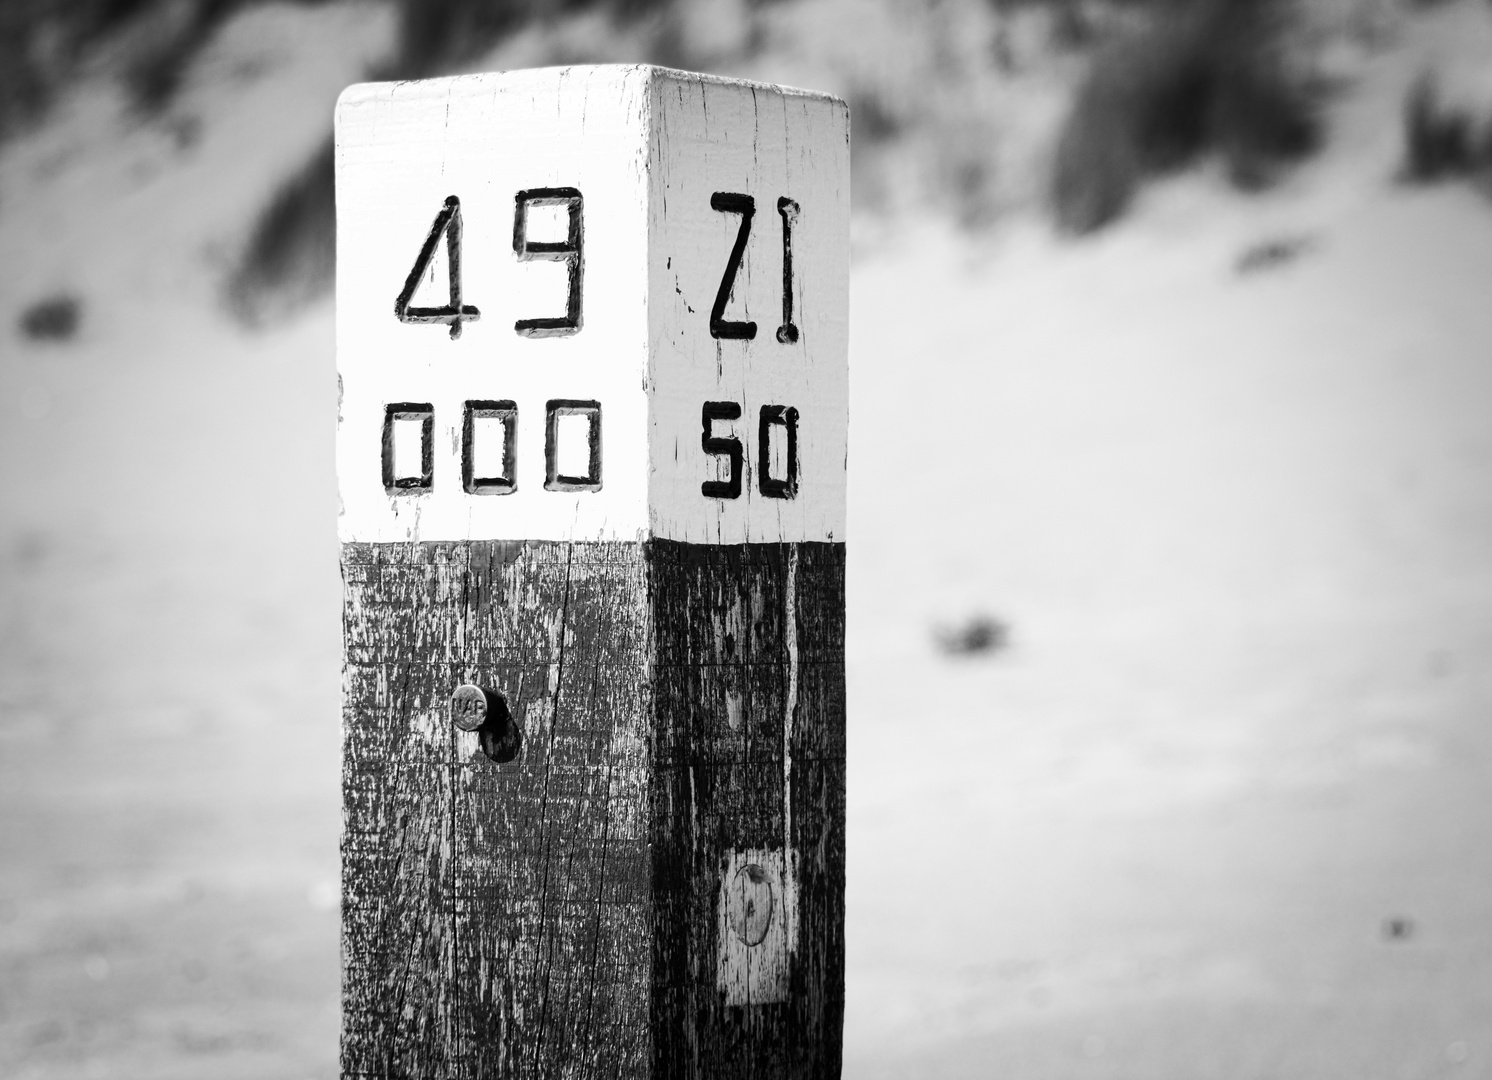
729 203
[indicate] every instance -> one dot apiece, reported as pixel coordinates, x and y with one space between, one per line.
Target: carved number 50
771 418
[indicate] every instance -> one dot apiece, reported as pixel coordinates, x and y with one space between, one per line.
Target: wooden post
592 345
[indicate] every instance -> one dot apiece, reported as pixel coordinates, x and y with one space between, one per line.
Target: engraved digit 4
447 222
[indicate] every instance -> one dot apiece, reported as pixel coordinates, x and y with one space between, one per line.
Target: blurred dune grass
980 108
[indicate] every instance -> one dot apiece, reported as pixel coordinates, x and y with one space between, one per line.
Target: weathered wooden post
591 336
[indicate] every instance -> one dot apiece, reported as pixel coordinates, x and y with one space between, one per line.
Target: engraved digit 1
787 333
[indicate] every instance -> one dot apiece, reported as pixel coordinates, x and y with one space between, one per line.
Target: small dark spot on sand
1270 254
1398 928
974 636
54 319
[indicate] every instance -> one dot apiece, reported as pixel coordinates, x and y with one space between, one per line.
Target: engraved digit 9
570 251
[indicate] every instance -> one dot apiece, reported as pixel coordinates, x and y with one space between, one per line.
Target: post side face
748 385
749 280
550 318
748 810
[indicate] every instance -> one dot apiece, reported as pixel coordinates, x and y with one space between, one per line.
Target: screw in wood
485 711
750 903
469 707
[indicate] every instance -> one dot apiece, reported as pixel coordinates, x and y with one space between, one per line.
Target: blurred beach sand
1219 810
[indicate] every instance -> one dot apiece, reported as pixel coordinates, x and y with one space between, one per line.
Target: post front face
496 915
533 186
593 685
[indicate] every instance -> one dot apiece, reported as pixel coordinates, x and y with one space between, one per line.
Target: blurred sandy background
1171 744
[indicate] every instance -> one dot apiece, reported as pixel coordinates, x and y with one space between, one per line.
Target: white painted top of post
631 188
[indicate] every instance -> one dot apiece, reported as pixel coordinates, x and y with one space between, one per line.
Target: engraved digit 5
714 445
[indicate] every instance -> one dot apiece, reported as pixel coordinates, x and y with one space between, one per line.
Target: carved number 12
729 202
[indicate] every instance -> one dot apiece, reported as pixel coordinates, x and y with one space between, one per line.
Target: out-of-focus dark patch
30 548
1443 141
156 71
1271 254
872 121
185 131
290 258
55 318
1398 928
975 636
1204 77
44 44
437 35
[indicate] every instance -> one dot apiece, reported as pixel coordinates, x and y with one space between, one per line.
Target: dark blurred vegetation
1200 76
1443 140
44 43
1163 84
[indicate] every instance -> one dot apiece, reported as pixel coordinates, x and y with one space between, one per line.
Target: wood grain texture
559 915
773 778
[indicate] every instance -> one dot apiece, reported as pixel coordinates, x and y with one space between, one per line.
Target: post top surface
476 82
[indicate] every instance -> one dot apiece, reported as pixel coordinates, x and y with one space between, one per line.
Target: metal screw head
749 904
469 707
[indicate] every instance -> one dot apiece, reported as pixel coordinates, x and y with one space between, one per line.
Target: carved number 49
569 251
